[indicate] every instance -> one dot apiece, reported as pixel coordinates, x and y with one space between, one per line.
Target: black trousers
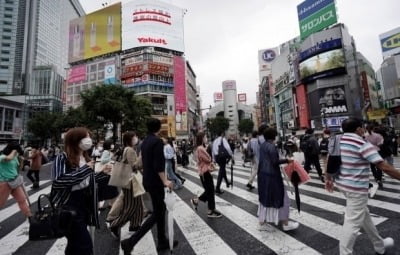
312 160
208 194
221 173
79 241
376 172
36 173
157 217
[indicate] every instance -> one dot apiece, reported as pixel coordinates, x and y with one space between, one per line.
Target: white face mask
135 140
112 146
205 140
86 143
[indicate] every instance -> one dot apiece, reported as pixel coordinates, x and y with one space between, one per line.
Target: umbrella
170 201
295 181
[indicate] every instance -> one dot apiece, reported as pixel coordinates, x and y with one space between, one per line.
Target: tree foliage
45 125
217 125
246 126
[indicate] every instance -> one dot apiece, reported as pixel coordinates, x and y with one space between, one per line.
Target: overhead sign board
390 42
315 15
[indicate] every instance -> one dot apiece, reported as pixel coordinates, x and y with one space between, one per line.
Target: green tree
138 111
217 125
44 125
246 126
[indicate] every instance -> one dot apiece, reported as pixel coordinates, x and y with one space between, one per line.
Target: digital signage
315 15
152 23
323 65
95 34
333 100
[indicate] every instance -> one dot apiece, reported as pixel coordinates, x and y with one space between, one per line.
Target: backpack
385 150
304 143
323 146
223 154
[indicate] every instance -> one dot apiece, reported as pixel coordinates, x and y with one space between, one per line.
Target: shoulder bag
121 173
137 184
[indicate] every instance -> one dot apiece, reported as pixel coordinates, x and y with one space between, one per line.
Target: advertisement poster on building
315 16
77 74
333 100
152 23
266 57
242 97
301 98
109 74
390 42
218 96
322 65
76 44
180 94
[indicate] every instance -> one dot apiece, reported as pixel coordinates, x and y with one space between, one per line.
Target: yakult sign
315 15
152 23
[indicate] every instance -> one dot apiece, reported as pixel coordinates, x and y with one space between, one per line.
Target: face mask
205 140
135 140
112 146
100 148
86 144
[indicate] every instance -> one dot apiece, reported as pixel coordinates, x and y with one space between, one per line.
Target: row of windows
7 23
8 16
8 118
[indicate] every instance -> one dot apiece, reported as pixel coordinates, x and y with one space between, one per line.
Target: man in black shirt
154 181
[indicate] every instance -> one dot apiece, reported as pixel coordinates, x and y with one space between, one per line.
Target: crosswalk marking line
58 248
15 239
322 204
310 220
279 242
145 246
13 209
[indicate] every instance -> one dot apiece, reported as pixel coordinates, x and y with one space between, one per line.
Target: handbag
121 173
137 184
18 181
211 167
49 222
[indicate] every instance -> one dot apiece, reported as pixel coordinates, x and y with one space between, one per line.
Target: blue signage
320 47
310 7
269 55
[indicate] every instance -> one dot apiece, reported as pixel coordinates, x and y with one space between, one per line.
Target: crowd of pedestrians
81 178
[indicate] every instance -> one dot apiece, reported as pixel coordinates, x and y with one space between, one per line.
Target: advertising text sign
390 42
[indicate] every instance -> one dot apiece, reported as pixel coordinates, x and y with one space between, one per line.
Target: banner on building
315 15
152 23
109 74
180 94
242 98
77 74
377 114
333 100
302 106
218 96
390 42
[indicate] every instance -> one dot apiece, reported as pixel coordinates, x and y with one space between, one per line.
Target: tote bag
121 173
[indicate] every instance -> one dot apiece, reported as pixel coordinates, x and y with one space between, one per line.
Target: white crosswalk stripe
320 214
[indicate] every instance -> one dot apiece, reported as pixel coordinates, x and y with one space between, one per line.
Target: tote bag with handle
121 173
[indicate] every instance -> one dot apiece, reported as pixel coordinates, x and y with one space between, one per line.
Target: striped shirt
357 155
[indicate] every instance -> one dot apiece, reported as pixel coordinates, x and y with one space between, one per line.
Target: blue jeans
171 175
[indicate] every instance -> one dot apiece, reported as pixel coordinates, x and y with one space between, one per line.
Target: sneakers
388 242
249 186
291 226
372 191
195 203
214 214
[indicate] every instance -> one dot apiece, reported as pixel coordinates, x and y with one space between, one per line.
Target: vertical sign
301 97
180 94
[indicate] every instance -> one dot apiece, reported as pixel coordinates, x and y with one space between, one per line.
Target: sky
222 37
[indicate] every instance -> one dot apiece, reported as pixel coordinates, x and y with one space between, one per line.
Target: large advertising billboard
95 34
390 42
323 65
180 94
152 23
77 74
333 100
315 15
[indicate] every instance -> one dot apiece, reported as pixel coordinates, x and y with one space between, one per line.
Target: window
3 82
5 59
17 114
5 37
10 9
8 120
5 45
3 67
5 52
8 16
7 23
7 30
9 2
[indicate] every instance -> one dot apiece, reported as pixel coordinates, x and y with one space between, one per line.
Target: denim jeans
171 175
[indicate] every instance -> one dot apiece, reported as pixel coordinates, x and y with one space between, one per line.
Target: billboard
390 42
266 57
242 97
333 99
77 74
302 106
315 15
152 23
95 34
218 96
180 94
323 65
109 74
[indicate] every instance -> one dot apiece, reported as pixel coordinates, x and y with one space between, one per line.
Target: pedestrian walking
36 164
173 161
253 150
154 181
11 183
274 201
221 154
376 140
205 167
169 154
353 182
309 145
74 186
128 206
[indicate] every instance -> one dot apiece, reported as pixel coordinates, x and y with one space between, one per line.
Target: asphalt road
236 232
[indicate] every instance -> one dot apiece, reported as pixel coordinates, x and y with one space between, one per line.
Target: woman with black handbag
74 189
10 181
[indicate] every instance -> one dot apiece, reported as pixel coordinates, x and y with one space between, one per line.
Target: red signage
218 96
242 97
302 104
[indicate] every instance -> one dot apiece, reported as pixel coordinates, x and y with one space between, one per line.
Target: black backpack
304 143
223 154
323 146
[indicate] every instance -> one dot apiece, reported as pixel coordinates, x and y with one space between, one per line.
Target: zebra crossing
237 232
